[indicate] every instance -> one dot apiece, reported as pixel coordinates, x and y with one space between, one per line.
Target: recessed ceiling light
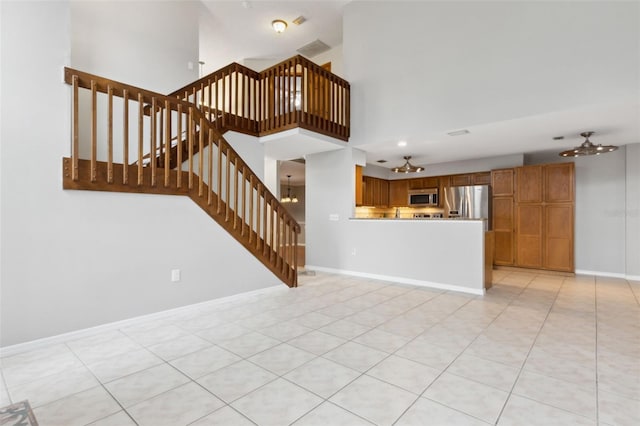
402 143
459 132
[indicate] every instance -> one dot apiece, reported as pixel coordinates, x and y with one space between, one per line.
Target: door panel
460 180
559 183
503 214
529 236
558 237
503 226
398 193
502 182
503 252
529 184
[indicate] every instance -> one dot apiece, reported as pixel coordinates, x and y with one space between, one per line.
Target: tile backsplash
390 212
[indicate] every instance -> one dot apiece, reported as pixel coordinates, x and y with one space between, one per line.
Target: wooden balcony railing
293 93
118 129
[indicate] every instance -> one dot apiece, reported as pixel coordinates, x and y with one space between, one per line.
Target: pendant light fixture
407 167
588 148
289 198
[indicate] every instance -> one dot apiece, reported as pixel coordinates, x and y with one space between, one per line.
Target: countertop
419 219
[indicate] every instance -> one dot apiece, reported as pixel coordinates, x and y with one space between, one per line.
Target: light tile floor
537 349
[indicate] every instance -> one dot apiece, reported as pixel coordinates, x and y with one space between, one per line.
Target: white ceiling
617 124
238 30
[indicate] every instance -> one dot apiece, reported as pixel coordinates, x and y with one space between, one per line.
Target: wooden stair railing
110 128
294 93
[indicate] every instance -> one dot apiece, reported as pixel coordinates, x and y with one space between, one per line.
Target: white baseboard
85 332
608 274
401 280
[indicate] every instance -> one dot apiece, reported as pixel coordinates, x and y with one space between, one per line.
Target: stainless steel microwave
423 197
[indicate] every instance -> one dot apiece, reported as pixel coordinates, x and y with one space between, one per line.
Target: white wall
76 259
330 183
633 211
450 65
600 214
335 56
250 150
136 43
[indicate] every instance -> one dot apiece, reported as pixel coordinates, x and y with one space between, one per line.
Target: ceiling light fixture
407 167
279 25
588 148
289 198
402 143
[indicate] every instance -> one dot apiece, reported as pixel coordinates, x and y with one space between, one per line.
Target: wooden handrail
293 93
161 121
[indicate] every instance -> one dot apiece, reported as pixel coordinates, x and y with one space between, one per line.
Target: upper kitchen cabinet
424 183
399 193
502 182
383 197
461 180
559 183
482 178
529 184
375 192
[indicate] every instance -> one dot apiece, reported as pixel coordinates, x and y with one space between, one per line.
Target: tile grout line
3 383
101 385
300 300
458 356
633 293
349 341
529 353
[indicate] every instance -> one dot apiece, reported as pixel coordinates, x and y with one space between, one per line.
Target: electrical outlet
175 275
353 252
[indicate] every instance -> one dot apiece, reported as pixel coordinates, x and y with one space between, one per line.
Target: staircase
128 139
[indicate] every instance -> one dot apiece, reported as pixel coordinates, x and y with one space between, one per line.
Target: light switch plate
334 217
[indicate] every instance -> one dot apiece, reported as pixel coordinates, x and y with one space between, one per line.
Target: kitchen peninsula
449 254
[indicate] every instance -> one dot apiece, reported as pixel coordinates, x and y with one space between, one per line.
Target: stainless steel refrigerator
468 202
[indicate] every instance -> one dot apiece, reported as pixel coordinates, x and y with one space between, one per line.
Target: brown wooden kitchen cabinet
383 197
399 193
375 192
530 183
424 183
482 178
544 216
502 185
503 182
445 182
461 180
359 185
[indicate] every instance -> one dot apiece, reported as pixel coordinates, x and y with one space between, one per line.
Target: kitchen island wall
440 253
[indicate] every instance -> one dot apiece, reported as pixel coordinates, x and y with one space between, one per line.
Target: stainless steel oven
423 197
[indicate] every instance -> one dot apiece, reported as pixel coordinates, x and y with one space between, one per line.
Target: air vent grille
313 49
